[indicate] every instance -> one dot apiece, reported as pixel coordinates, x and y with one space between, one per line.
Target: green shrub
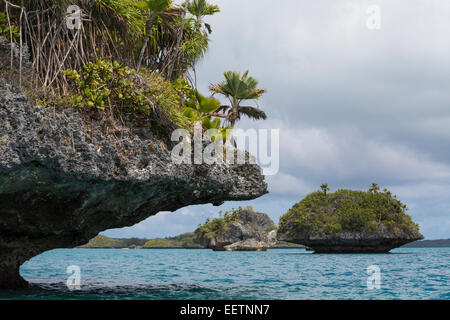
109 85
104 84
6 31
372 226
356 220
331 224
199 109
212 227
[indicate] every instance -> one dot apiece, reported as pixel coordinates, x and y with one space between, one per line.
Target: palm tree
325 188
200 9
114 28
154 7
199 107
238 88
374 188
178 43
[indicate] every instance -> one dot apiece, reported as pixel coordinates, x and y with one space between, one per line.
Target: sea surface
203 274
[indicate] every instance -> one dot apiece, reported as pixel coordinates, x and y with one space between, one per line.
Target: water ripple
203 274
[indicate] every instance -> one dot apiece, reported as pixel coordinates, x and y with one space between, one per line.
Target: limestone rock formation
63 180
10 54
382 241
349 222
244 230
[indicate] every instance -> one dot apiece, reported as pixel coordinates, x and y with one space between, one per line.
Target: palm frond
200 8
217 89
155 5
253 113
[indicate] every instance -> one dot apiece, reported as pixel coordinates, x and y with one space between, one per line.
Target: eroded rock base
356 246
10 277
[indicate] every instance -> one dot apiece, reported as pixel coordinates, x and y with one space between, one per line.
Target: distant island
344 221
349 221
242 229
183 241
445 243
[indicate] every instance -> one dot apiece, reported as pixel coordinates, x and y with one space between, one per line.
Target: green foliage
351 211
375 188
133 242
217 225
6 31
108 84
196 42
165 95
183 88
154 5
201 104
125 15
184 240
237 88
104 84
200 108
201 8
325 188
187 240
355 218
102 241
154 33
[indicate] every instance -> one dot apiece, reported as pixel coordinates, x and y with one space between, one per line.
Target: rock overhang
62 181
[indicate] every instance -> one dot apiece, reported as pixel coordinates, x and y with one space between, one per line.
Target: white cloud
286 184
348 155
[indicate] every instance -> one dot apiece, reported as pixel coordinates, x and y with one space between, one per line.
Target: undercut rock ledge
63 181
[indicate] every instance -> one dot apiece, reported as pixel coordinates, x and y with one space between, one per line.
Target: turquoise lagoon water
293 274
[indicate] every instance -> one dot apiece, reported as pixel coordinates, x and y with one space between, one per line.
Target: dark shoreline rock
381 241
355 245
63 181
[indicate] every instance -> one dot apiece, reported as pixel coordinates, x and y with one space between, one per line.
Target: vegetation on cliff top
217 225
102 241
92 65
323 213
109 86
212 228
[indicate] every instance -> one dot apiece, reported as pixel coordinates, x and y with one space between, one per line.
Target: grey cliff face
253 232
10 53
62 181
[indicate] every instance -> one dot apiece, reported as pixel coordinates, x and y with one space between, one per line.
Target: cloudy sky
353 105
